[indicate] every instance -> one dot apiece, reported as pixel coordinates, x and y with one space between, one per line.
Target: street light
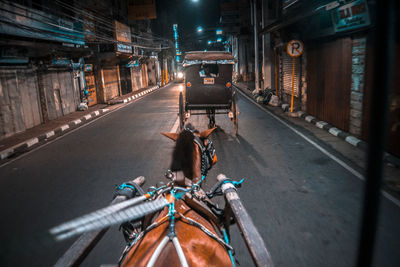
199 29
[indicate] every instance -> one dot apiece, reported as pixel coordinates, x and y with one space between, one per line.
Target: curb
133 97
33 142
354 141
36 141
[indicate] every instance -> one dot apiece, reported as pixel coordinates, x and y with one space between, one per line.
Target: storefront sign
351 16
88 67
89 29
132 64
33 23
122 34
61 62
124 48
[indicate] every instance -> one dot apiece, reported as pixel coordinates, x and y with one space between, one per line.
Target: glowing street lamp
199 29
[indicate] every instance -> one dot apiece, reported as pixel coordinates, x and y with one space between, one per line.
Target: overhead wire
103 38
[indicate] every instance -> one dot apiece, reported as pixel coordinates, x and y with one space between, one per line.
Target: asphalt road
305 205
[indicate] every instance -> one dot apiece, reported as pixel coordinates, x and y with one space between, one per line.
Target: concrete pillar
256 56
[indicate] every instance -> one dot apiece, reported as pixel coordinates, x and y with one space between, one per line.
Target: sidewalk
349 146
22 142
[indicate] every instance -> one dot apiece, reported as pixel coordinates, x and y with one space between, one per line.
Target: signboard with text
351 16
122 35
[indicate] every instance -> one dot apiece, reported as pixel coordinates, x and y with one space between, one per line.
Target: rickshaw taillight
228 84
189 84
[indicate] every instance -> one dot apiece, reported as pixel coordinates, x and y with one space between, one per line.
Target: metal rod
383 42
204 113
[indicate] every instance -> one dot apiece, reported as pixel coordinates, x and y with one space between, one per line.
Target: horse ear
172 136
206 133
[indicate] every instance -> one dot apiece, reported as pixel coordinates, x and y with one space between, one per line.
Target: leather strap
179 178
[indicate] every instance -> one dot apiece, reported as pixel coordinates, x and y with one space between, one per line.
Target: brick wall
357 85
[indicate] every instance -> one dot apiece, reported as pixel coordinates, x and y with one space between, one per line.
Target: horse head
194 153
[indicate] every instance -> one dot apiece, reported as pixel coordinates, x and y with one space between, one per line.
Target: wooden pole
251 236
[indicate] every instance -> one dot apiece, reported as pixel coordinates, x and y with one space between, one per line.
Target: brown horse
195 227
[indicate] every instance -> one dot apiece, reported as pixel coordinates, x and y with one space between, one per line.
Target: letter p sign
295 48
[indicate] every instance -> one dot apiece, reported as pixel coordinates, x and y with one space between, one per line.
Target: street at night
294 116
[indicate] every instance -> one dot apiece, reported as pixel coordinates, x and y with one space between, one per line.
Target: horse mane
183 154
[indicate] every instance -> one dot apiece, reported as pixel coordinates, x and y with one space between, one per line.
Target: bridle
208 156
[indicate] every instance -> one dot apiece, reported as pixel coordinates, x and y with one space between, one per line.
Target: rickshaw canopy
208 57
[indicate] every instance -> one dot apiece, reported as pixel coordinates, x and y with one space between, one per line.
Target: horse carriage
176 223
208 87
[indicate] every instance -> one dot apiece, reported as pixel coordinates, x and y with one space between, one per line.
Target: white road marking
175 127
7 152
340 162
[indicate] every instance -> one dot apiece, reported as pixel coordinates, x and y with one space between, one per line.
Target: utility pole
256 71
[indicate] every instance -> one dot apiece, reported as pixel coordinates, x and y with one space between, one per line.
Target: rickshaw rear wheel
235 112
181 112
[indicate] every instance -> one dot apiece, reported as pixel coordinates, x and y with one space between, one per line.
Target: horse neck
194 171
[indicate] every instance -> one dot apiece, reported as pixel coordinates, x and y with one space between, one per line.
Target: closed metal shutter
110 83
286 73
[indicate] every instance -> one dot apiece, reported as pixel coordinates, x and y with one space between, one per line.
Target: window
209 70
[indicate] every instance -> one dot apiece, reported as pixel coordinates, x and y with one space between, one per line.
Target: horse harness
194 200
208 156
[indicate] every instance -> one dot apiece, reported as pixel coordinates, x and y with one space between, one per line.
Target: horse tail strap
118 217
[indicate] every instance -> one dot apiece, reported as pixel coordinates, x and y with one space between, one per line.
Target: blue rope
229 251
124 185
235 183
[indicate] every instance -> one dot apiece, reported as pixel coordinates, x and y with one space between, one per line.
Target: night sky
188 14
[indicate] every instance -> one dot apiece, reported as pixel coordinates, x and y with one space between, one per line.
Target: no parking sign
295 48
